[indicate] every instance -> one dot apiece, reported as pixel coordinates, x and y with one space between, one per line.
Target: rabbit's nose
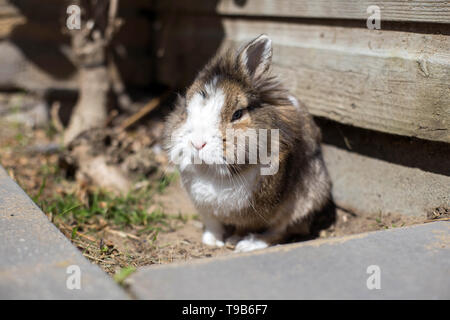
198 145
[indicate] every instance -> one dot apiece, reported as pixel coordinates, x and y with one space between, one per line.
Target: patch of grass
166 180
120 211
380 221
50 131
50 169
41 189
74 233
182 218
21 139
123 274
96 207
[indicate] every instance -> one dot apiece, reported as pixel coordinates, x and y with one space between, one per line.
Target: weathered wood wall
395 80
397 10
391 81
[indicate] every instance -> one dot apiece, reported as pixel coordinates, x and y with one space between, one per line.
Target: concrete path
405 263
35 256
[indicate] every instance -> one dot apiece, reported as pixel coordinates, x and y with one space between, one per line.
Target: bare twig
143 111
54 111
434 220
113 23
82 235
113 114
122 234
99 260
123 98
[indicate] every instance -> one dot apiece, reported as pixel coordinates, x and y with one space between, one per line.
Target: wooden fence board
395 82
17 71
437 11
52 69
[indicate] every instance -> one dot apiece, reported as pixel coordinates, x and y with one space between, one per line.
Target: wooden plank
39 67
400 10
17 71
134 32
34 9
55 10
7 9
7 25
394 82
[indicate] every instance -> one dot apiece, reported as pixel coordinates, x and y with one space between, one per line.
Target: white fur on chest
220 195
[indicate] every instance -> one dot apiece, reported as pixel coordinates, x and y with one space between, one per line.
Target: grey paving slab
414 263
34 255
368 185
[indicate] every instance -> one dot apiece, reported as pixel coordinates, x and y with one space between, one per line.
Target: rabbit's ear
256 56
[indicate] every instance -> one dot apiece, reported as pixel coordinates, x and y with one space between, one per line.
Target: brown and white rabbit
237 91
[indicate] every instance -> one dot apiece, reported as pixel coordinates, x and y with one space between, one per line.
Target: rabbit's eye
237 115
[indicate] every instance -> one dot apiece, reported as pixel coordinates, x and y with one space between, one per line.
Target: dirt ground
112 247
102 242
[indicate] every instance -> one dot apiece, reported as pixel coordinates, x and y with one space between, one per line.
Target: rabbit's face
231 99
211 108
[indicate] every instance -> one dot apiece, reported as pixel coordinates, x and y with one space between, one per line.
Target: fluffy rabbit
236 91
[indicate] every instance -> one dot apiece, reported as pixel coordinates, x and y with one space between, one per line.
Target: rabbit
236 90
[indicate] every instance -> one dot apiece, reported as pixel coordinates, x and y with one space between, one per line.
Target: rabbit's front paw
250 243
211 240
